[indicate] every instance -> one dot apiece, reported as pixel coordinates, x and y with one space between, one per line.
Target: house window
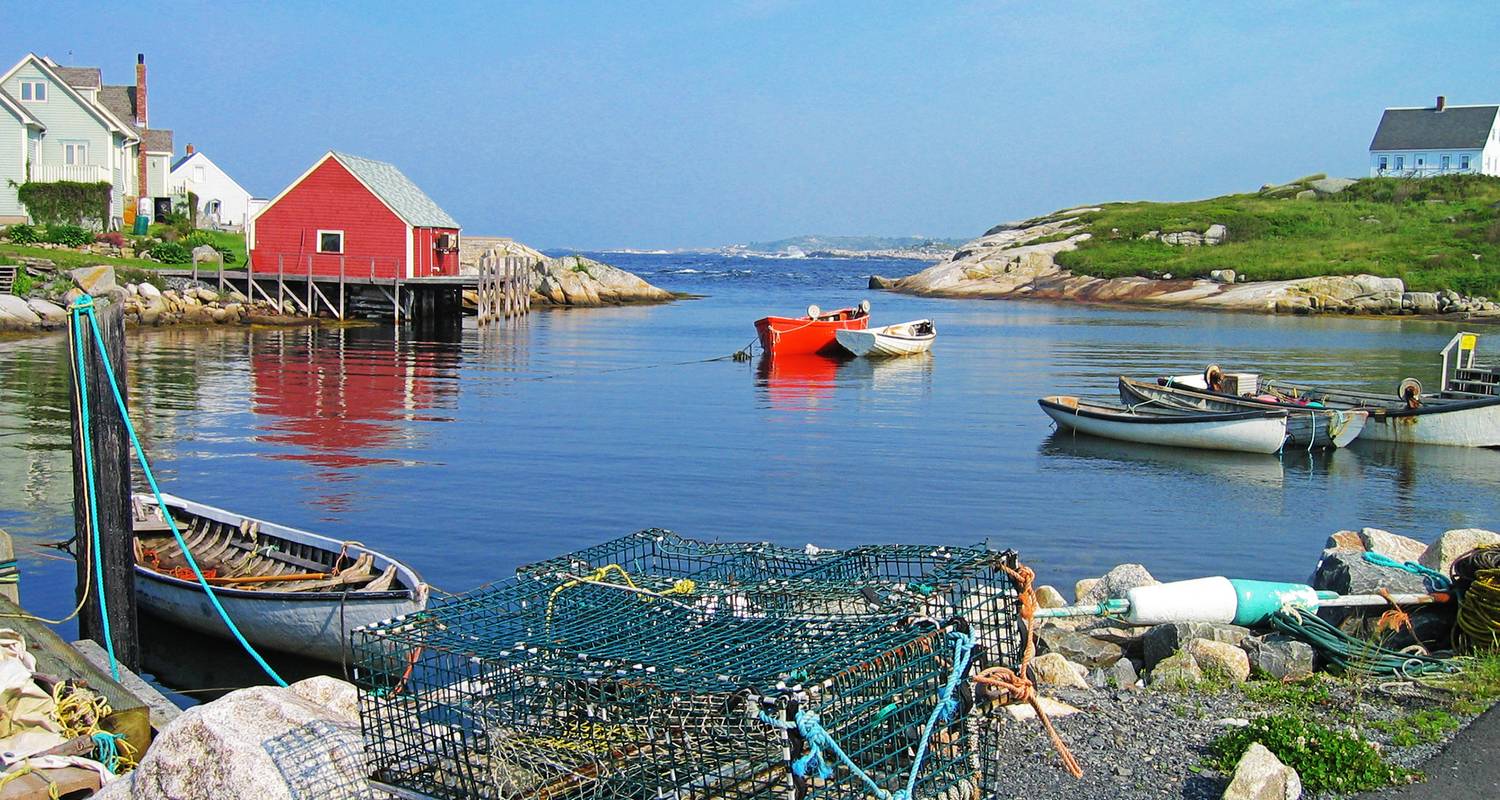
330 241
75 153
1463 162
198 174
1447 162
1400 162
1384 163
34 91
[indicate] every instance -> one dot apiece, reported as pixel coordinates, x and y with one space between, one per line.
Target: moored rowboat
901 339
1441 419
813 333
1306 426
286 589
1255 431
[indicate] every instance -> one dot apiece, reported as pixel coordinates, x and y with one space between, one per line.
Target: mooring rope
820 741
84 307
1435 581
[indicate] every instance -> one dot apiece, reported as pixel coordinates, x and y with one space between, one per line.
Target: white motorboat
901 339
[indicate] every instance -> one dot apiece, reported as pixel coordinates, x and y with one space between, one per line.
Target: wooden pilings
109 446
505 284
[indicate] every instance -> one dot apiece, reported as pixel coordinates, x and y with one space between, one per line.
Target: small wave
682 271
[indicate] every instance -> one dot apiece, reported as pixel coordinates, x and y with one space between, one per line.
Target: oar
1225 600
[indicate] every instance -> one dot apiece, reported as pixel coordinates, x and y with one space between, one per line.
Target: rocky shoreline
1018 260
1144 705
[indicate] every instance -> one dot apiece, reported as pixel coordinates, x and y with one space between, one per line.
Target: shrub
67 235
170 253
1328 760
227 254
197 239
114 238
23 234
67 202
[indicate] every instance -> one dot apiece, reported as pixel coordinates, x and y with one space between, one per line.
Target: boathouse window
330 241
34 91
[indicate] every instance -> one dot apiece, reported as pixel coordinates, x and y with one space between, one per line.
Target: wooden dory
1305 426
813 333
901 339
1257 431
278 584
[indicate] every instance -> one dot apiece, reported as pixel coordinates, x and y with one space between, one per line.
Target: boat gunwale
1104 412
408 575
1369 401
1225 397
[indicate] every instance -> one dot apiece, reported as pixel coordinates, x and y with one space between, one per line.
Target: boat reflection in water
1243 468
808 382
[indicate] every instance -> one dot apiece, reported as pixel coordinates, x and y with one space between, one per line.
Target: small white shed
220 198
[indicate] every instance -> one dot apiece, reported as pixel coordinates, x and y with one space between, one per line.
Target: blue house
1437 140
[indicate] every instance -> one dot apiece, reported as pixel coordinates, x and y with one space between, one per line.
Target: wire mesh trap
588 678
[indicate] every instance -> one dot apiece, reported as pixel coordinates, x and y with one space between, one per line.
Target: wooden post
221 270
280 285
341 287
249 281
309 307
110 447
396 304
8 589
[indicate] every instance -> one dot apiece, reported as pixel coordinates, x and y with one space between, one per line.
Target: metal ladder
1467 376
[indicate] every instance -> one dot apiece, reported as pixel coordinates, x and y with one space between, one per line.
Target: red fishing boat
813 333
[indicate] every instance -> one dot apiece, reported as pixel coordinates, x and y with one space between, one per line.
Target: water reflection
344 399
797 382
1094 452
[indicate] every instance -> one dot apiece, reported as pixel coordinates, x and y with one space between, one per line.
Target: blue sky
665 124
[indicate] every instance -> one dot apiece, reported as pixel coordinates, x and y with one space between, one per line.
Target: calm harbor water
469 457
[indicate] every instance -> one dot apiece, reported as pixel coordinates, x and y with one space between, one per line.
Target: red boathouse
362 216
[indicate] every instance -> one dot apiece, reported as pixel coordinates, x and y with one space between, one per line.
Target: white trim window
1463 163
331 242
75 154
1385 163
33 91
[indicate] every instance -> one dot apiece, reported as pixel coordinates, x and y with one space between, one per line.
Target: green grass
68 259
1419 727
1425 232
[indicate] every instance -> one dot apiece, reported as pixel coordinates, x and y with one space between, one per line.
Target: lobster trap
659 667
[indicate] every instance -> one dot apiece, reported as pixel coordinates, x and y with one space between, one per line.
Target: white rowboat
243 556
902 339
1245 431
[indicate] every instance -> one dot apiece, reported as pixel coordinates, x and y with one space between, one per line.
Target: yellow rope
26 769
80 711
682 586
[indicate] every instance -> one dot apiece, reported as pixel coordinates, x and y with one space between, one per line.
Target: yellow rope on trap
79 711
599 577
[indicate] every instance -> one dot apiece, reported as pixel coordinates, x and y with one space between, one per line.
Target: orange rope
1394 619
1017 687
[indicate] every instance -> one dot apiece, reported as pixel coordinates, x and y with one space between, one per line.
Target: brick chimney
1442 102
140 124
190 149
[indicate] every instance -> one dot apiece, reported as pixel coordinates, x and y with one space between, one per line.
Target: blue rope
85 306
81 308
1434 581
107 750
820 741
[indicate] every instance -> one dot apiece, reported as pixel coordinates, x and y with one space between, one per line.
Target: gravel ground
1145 743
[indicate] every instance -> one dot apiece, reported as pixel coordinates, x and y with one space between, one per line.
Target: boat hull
1305 427
803 336
313 624
889 341
1244 432
1448 422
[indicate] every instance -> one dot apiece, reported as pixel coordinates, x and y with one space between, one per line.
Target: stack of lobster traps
656 666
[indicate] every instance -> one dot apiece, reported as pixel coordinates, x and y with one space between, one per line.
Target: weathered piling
101 438
9 575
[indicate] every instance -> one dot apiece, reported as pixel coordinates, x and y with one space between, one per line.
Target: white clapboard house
1440 139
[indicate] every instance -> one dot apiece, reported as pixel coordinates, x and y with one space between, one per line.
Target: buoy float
1224 600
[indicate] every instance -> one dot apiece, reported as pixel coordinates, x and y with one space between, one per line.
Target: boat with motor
285 589
901 339
1250 431
1465 412
813 333
1309 425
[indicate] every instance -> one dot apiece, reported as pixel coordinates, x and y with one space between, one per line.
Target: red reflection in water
797 381
339 398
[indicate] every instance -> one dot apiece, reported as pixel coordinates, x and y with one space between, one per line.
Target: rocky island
1316 245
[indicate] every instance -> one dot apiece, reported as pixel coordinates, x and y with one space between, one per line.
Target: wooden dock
503 285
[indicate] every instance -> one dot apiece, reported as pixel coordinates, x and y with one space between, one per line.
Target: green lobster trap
611 673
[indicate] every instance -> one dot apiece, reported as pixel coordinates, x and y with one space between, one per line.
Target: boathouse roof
1434 128
397 191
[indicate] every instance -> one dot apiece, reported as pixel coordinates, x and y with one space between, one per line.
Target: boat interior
239 555
911 330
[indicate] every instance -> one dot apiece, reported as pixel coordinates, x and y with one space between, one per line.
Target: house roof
26 117
119 101
397 191
80 77
186 158
157 141
1428 128
50 69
